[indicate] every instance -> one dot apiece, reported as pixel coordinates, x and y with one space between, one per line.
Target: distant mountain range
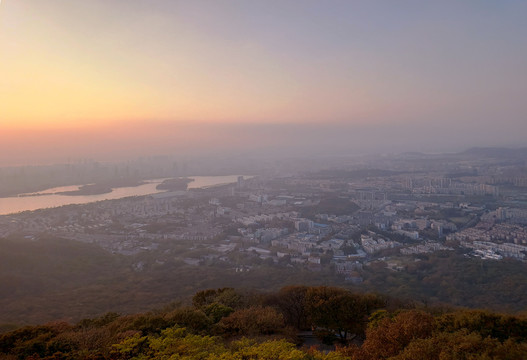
497 152
484 152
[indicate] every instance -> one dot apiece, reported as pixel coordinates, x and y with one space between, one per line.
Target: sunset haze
121 78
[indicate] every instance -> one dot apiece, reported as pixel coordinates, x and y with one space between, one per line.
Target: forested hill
49 278
232 324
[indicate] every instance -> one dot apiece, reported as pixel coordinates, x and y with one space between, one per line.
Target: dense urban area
363 224
378 254
345 219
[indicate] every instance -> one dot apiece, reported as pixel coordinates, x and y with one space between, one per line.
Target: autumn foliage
231 324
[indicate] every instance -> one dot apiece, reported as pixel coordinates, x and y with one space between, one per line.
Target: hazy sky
124 77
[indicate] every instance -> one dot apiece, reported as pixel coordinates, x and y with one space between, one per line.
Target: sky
108 79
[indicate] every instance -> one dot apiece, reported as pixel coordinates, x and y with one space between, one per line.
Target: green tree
190 318
339 310
216 311
291 301
177 343
255 320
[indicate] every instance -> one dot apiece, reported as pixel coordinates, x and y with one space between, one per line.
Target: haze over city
119 79
272 179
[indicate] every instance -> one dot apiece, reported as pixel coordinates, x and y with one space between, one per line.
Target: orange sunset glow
85 68
263 179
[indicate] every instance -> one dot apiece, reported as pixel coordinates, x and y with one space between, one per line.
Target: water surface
48 199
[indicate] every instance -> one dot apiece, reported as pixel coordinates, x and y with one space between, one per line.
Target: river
48 199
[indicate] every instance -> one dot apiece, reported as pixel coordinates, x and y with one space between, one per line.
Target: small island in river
91 189
174 184
100 188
